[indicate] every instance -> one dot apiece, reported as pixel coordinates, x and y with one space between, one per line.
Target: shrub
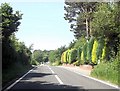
104 53
62 57
72 56
79 50
100 48
34 62
89 49
56 63
108 70
82 58
94 51
85 52
77 63
68 55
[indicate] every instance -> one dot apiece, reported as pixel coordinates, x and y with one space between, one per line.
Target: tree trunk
87 30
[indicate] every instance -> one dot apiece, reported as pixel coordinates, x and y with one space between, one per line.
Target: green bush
79 50
64 57
77 63
94 52
100 48
68 55
56 63
103 53
108 71
89 49
34 62
82 58
72 56
84 54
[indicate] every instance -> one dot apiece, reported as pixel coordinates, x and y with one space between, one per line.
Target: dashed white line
59 80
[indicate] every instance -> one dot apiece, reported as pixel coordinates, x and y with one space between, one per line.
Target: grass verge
108 71
13 72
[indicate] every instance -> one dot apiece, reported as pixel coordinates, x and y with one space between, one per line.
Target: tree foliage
12 50
79 14
10 20
94 20
89 49
57 56
94 52
106 24
72 56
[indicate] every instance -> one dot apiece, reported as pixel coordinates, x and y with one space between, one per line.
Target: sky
43 25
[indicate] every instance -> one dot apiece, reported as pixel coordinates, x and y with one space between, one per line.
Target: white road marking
59 80
94 79
18 80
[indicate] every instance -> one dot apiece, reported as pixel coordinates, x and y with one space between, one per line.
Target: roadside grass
13 72
56 63
108 71
34 62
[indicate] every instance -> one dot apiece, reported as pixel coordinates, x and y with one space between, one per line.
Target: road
52 77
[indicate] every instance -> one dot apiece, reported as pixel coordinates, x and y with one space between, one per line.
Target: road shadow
43 85
33 85
35 75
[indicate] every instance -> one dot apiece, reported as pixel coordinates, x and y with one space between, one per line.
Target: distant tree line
51 56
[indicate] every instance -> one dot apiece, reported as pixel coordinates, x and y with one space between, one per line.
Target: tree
89 49
55 55
10 20
80 42
9 25
79 14
106 24
51 56
38 55
94 52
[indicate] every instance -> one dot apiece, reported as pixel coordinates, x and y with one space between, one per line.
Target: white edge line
59 80
17 80
94 79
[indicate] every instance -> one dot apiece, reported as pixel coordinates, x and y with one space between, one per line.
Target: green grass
14 71
56 63
108 71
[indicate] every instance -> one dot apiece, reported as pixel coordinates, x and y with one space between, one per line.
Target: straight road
52 77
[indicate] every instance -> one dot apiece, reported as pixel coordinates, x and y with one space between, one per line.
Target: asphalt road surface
57 78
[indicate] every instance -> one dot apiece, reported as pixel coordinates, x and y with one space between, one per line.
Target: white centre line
59 80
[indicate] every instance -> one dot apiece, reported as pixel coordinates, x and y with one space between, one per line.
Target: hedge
64 57
100 48
89 49
82 58
72 56
79 50
94 52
